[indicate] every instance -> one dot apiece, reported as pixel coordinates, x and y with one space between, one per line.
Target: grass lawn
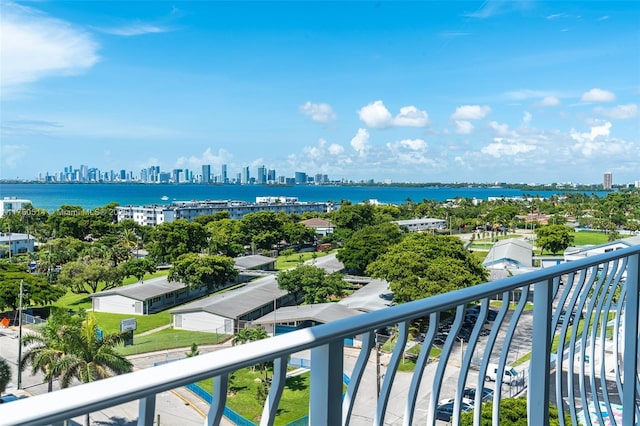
169 339
589 238
111 322
291 261
243 396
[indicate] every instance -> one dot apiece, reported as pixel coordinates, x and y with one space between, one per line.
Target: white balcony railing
591 305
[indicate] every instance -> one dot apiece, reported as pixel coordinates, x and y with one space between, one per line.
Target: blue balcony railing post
146 410
325 399
630 357
538 394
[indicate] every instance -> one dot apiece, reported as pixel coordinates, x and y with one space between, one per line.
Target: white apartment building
12 204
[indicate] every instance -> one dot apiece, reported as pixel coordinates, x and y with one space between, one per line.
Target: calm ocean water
52 196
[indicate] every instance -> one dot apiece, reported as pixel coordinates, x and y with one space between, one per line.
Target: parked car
445 411
509 376
8 398
470 393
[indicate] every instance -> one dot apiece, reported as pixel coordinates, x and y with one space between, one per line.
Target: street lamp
19 385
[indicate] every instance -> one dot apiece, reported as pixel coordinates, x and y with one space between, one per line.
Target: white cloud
526 117
322 113
602 130
598 95
11 154
464 127
360 142
135 29
500 129
548 101
471 112
207 157
500 148
377 116
335 149
36 46
598 143
410 116
620 112
409 151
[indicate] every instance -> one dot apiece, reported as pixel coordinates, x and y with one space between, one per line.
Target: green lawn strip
589 238
111 322
512 305
170 339
293 260
243 396
480 255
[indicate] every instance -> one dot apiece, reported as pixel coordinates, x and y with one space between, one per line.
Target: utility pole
20 336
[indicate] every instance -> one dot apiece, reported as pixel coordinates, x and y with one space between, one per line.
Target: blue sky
515 91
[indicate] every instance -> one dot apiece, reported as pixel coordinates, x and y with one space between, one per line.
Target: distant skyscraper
608 181
225 179
262 175
244 179
300 178
271 176
206 173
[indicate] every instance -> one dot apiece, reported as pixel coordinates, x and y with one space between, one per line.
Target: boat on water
164 198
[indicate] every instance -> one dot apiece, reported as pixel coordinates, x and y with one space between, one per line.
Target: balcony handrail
55 407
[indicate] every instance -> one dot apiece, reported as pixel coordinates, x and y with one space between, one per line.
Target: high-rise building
300 178
246 176
225 179
607 183
271 176
262 175
206 173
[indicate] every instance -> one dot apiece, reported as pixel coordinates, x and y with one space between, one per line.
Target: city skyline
486 91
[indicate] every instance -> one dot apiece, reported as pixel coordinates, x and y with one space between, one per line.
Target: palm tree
5 375
46 347
89 356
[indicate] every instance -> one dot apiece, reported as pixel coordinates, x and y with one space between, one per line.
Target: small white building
16 243
321 226
12 204
226 312
424 224
154 295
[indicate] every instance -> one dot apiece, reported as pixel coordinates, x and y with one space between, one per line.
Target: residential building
607 183
10 205
424 224
16 243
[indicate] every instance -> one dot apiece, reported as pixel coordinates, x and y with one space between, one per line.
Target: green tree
173 239
351 217
85 277
513 412
296 233
262 230
89 356
138 268
366 244
212 272
46 347
36 289
554 238
312 283
5 375
225 238
423 265
194 351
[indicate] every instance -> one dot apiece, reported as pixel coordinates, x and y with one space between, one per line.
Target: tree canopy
513 411
312 283
172 239
554 238
36 289
86 276
208 271
366 244
423 265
